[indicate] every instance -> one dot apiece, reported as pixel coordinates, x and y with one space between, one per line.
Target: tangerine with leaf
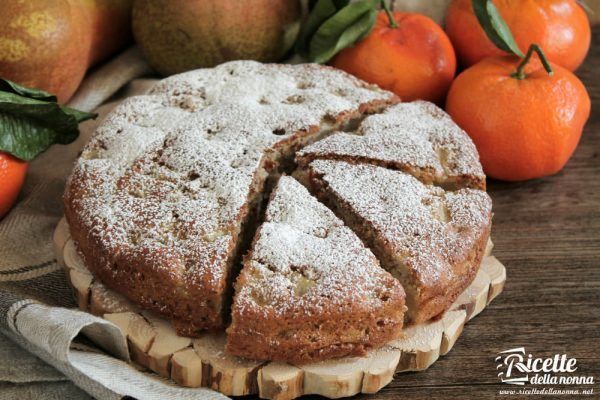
560 27
525 115
406 53
32 121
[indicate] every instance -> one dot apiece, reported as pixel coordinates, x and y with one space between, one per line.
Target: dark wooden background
547 234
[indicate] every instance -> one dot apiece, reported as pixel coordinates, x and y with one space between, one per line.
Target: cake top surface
168 174
413 135
305 262
427 228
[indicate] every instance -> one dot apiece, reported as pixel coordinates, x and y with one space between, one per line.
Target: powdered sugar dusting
427 228
305 261
415 137
297 95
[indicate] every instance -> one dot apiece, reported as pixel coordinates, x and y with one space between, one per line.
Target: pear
110 23
49 44
38 46
180 35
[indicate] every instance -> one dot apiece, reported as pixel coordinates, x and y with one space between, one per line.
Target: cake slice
309 290
418 138
431 240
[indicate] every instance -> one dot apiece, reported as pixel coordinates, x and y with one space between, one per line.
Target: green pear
180 35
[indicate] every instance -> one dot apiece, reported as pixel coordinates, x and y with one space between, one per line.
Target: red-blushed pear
110 22
49 44
41 46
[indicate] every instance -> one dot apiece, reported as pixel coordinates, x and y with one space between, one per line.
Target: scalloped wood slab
154 344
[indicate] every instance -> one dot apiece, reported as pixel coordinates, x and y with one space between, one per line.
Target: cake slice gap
418 138
430 239
309 290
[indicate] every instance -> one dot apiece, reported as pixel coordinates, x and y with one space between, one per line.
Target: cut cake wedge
418 138
309 289
431 240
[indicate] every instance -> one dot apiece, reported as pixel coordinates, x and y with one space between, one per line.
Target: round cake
179 203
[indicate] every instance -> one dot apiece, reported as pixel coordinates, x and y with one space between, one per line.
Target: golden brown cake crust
309 289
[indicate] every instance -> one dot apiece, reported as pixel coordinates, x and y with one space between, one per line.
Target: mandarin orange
525 126
415 59
560 27
12 176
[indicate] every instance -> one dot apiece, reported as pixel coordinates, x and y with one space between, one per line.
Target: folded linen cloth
37 311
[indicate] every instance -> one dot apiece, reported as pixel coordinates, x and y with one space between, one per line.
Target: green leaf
320 12
12 87
80 116
345 28
494 26
32 120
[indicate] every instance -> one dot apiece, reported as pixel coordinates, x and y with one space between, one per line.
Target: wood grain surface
547 234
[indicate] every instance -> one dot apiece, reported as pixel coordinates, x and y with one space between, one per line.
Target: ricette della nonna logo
517 367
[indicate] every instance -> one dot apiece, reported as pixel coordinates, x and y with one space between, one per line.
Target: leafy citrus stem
534 48
393 22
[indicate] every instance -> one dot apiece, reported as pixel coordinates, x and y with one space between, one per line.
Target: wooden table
547 233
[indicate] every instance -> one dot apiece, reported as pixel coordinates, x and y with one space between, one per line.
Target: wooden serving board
195 362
